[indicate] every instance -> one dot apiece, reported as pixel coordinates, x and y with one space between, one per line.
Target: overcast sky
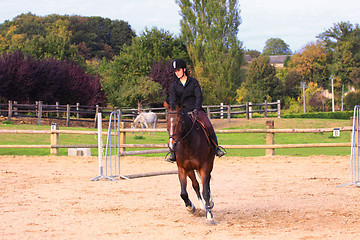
295 22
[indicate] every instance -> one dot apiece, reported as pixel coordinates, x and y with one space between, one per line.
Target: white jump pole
100 148
355 150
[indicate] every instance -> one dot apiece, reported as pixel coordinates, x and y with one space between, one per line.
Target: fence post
221 110
15 108
96 115
270 138
122 137
247 111
10 111
54 139
208 112
250 110
40 105
68 115
265 109
278 109
77 110
228 113
57 110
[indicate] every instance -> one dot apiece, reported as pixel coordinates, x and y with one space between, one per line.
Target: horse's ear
166 105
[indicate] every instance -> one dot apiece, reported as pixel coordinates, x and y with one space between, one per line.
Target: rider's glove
195 112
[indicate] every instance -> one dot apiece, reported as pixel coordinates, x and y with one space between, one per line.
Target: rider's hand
195 112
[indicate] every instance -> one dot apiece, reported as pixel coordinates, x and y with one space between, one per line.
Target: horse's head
174 121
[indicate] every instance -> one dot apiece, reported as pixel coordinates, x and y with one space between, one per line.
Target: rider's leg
202 117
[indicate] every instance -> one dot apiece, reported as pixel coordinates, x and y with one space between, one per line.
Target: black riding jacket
190 95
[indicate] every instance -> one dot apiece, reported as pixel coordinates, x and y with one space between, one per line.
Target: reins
192 127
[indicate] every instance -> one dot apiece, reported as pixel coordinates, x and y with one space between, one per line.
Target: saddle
198 123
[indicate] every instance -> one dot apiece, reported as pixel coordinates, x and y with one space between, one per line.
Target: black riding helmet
178 63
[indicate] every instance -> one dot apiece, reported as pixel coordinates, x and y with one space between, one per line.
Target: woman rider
187 91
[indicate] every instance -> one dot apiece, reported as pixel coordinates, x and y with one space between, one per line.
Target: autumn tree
312 64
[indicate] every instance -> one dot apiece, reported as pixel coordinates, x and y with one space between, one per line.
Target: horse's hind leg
183 194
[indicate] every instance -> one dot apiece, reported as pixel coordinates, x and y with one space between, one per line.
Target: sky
297 23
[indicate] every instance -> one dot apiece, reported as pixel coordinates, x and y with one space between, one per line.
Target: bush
323 115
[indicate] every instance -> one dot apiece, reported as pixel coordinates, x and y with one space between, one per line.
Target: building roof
278 59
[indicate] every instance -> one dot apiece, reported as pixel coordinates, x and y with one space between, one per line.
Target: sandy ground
255 198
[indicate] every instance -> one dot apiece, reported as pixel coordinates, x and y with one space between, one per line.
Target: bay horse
193 152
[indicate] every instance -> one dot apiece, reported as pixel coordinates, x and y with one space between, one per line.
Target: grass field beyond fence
224 139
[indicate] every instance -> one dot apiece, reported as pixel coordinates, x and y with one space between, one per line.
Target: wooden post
57 110
228 113
40 105
68 115
54 139
15 108
77 110
247 111
250 110
265 109
208 112
122 137
270 138
221 110
279 109
10 111
96 116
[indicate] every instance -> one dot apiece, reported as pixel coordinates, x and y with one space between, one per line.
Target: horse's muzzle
172 145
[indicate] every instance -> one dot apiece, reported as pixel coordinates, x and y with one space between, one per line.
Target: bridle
171 136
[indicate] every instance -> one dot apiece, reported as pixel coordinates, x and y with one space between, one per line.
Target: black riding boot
218 151
171 158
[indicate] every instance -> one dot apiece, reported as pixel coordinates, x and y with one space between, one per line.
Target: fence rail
88 113
270 132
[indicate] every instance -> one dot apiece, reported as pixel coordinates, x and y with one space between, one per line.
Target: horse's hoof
191 208
210 222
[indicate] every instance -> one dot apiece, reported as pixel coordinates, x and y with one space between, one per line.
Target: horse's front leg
207 197
183 194
196 187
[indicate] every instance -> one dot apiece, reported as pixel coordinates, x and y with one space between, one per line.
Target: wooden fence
88 113
270 132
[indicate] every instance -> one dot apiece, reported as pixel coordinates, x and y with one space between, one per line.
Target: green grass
224 139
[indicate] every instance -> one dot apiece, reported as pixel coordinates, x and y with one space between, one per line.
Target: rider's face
179 72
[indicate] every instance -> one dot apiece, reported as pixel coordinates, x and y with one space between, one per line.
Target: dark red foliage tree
163 74
24 79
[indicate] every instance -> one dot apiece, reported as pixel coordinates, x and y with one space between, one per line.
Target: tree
343 43
125 77
99 37
276 46
27 79
312 64
261 83
209 30
70 37
253 53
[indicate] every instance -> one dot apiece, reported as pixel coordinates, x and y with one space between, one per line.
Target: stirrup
169 159
220 151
